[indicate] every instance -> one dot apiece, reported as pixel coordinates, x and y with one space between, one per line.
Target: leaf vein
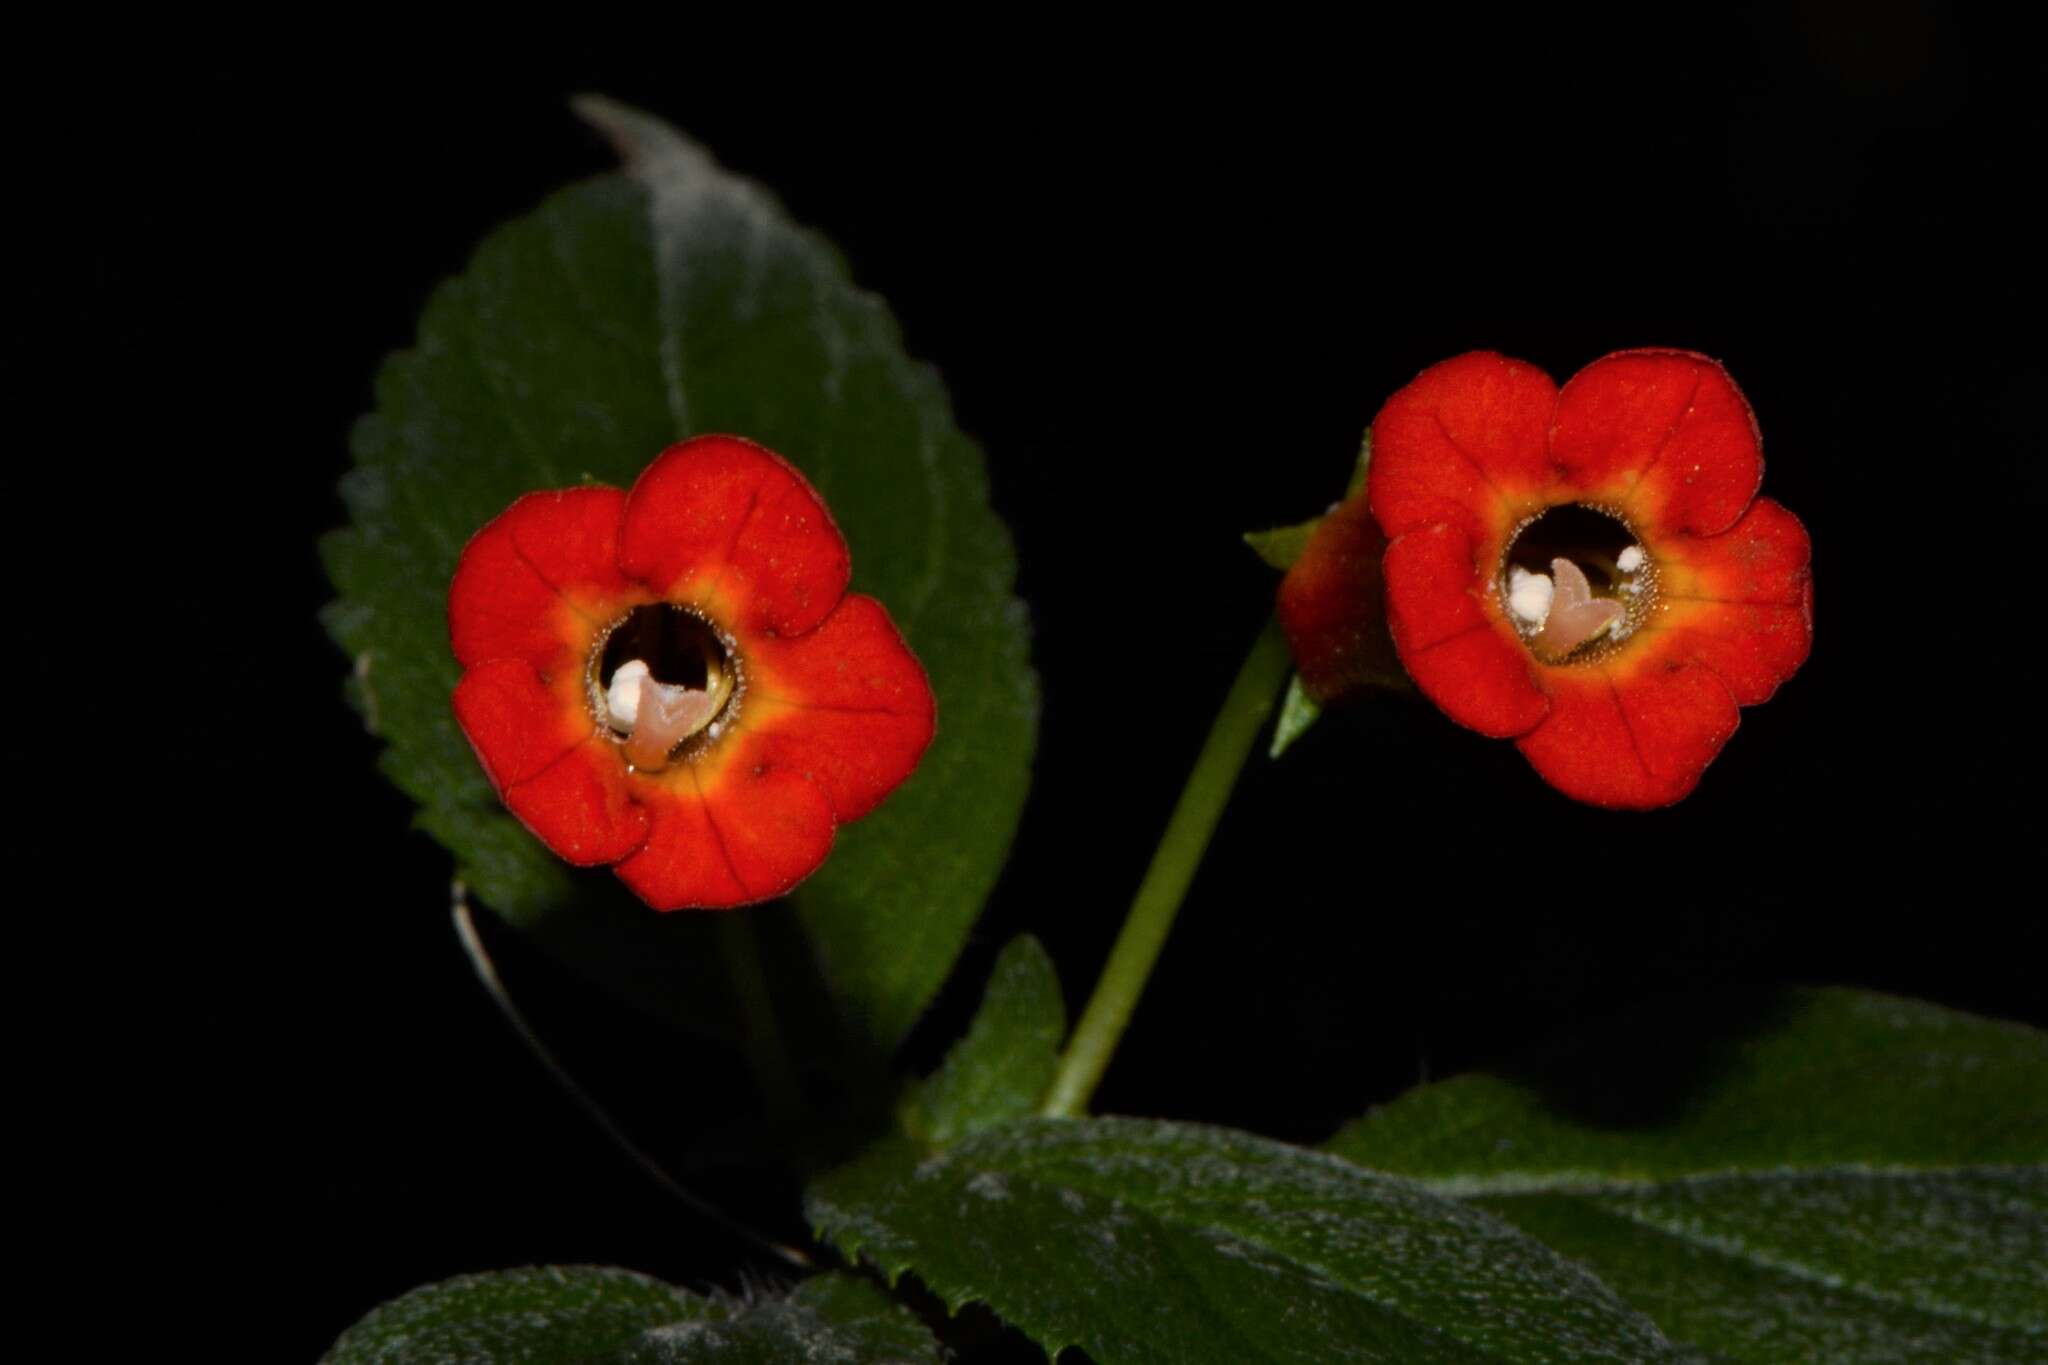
1731 1249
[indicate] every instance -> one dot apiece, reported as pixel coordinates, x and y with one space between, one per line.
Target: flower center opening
662 678
1576 581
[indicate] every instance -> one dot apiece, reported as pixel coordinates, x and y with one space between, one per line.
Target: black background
1169 277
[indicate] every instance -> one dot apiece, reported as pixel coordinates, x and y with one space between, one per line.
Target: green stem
740 945
1179 853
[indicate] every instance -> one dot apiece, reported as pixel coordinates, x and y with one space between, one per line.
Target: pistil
1576 616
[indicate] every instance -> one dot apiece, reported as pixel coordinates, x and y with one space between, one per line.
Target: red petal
537 582
571 538
499 608
1666 435
1741 602
1452 640
846 705
1765 558
1631 736
1466 443
1333 606
729 526
581 805
516 724
776 825
1754 647
682 865
728 830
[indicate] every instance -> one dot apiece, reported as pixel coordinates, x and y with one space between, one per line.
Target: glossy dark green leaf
669 300
590 1315
1817 1175
1151 1241
1002 1067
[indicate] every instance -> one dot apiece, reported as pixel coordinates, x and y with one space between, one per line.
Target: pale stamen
1576 616
655 716
1529 596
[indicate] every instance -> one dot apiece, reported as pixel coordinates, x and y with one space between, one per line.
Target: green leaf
1152 1241
517 1317
671 300
829 1320
1002 1067
862 1324
591 1315
1842 1176
1297 713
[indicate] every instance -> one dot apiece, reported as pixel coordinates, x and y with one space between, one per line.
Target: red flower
1589 571
676 681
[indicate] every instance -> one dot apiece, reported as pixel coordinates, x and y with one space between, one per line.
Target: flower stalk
739 945
1231 737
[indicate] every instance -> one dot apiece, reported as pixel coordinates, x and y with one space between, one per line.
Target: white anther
622 699
1529 595
653 717
1631 559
